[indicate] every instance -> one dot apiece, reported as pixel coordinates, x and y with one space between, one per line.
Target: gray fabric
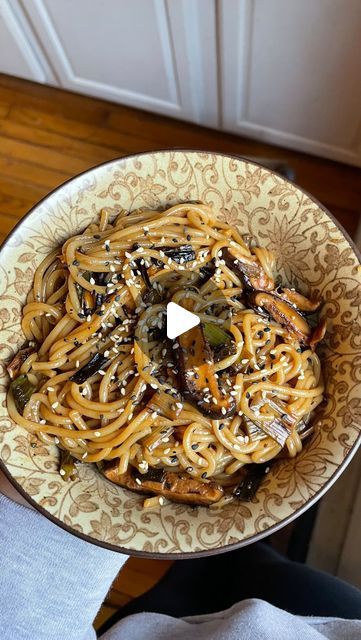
247 620
52 584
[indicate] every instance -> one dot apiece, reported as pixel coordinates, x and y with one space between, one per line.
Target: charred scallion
96 362
183 253
152 296
250 483
22 389
67 467
14 366
206 273
143 272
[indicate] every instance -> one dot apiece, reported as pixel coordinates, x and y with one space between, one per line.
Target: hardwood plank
30 193
154 568
4 109
7 222
55 100
13 206
104 614
139 575
63 143
27 173
119 143
43 157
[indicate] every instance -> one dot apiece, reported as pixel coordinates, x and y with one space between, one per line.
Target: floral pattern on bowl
313 254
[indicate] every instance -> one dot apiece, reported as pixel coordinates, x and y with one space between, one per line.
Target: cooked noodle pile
100 300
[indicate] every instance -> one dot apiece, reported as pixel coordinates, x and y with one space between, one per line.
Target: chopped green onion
67 468
215 335
22 389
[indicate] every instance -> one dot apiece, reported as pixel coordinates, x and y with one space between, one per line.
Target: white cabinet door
153 54
20 54
291 73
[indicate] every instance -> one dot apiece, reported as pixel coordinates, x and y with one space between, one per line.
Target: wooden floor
48 135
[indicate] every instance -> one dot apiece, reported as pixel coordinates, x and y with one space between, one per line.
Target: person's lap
205 585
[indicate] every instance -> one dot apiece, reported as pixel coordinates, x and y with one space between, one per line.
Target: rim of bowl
246 541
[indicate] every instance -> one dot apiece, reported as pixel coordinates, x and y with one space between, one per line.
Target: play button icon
179 320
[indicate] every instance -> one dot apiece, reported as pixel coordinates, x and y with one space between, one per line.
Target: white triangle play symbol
179 320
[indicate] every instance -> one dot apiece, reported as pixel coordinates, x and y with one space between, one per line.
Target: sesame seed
138 481
97 434
51 389
161 500
92 281
102 373
56 440
85 455
42 421
106 354
55 405
62 472
223 411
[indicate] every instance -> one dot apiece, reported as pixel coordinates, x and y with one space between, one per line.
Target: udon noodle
100 300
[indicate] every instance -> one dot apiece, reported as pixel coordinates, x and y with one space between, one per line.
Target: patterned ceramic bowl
313 254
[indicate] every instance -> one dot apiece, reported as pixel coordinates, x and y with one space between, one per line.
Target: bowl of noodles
151 444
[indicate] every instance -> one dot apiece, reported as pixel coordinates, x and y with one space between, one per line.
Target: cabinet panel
289 72
18 54
144 53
